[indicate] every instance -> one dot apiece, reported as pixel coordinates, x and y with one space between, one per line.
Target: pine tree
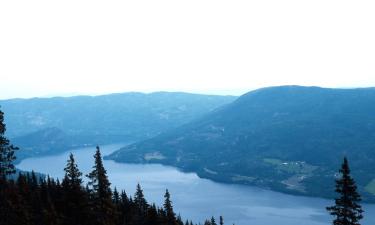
207 222
49 215
213 222
33 200
346 210
152 216
73 177
12 208
75 198
171 216
7 151
101 191
140 201
221 220
179 220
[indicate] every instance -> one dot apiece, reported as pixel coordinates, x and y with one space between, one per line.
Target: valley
194 197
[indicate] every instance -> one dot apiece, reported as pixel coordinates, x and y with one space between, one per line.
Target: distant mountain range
49 125
287 138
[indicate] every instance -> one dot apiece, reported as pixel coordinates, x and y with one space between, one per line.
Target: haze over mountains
287 138
49 125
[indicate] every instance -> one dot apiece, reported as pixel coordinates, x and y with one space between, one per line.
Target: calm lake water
198 198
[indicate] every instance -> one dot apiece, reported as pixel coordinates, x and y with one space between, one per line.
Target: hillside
108 118
288 138
45 142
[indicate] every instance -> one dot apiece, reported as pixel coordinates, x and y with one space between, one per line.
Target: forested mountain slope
287 138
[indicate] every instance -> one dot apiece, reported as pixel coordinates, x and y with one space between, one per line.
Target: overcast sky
90 47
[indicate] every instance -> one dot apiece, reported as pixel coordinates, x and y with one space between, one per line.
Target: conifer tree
76 207
171 216
49 215
221 220
7 151
73 177
32 199
179 220
140 201
207 222
152 216
12 208
346 210
101 191
116 197
213 222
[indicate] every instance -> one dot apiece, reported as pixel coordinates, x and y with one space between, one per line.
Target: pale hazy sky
72 46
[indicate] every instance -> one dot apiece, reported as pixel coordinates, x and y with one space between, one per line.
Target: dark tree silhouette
139 200
101 192
171 216
7 151
213 222
76 207
73 177
347 210
32 199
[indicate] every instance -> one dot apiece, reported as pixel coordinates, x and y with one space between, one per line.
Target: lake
198 198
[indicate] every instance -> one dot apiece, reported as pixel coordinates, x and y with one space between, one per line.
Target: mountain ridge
287 138
144 115
78 121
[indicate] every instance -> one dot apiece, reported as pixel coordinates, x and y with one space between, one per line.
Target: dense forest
33 200
30 199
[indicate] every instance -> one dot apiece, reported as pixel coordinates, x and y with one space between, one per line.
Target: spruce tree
152 216
346 210
207 222
101 192
73 177
116 197
213 222
76 206
179 220
7 151
221 220
171 216
140 201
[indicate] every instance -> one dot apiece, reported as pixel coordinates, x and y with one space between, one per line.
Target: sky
50 48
